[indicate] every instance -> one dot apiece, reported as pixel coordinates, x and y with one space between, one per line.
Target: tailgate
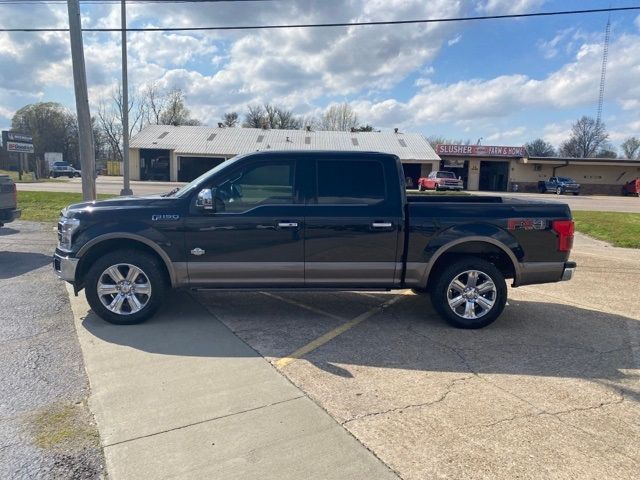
7 193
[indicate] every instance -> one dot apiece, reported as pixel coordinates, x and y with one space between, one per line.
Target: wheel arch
488 248
115 241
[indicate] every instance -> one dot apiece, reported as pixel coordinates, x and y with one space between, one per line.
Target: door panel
352 231
256 238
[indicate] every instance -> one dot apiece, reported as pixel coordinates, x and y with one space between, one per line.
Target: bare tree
587 138
254 117
439 139
155 101
339 118
631 148
270 116
110 114
230 119
540 148
167 108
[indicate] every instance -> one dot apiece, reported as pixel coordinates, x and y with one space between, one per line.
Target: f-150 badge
157 218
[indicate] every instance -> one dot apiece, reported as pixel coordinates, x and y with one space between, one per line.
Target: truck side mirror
205 200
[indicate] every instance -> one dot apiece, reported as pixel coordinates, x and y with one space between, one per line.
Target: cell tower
603 73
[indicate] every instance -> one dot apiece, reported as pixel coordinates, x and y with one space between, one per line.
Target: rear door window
350 182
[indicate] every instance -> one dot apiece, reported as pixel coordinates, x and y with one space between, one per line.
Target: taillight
565 230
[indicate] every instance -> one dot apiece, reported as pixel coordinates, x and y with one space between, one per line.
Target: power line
336 24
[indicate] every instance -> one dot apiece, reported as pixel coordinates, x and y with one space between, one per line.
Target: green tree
53 128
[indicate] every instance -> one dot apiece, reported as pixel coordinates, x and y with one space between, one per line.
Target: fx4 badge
158 218
527 224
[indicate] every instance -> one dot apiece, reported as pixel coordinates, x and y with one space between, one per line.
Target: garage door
192 167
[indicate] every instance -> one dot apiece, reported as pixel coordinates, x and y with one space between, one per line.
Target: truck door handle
287 225
381 225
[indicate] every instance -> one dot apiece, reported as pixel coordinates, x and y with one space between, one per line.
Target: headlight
66 228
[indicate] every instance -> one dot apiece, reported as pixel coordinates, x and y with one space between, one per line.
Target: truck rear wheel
470 293
125 287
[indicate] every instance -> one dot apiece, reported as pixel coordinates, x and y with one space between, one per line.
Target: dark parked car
559 185
297 220
8 200
632 188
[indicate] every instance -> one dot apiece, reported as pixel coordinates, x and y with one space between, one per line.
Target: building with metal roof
164 152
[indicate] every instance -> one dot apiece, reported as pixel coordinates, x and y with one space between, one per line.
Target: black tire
150 267
440 293
420 189
576 193
559 191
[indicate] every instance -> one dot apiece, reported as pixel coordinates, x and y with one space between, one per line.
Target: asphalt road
113 185
46 430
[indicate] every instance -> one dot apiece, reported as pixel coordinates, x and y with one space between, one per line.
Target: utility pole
126 189
85 133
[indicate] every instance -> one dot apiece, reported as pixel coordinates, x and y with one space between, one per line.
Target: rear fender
482 233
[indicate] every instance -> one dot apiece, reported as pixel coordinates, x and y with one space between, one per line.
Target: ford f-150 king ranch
297 220
8 200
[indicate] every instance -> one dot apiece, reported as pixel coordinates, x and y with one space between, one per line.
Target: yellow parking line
327 337
306 307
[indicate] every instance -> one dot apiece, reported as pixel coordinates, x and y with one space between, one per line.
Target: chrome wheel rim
471 294
124 289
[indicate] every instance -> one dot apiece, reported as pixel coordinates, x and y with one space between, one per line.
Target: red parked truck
441 180
632 188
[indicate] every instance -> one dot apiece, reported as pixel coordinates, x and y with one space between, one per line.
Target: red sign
479 150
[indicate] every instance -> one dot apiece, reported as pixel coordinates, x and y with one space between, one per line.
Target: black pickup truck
315 220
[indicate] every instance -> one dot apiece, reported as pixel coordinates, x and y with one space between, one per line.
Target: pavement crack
440 399
203 421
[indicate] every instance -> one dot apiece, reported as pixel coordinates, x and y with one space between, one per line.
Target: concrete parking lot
551 390
361 384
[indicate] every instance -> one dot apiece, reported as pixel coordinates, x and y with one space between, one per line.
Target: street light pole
85 133
126 189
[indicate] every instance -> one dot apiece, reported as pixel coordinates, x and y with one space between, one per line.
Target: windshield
189 187
565 179
445 175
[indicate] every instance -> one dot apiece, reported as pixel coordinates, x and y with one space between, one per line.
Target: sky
503 81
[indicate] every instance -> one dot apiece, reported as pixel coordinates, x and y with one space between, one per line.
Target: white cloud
637 22
506 135
454 40
574 84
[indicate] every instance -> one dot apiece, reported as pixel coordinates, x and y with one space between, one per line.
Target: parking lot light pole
85 133
126 188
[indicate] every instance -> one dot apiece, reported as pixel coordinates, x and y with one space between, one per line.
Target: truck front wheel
125 287
470 293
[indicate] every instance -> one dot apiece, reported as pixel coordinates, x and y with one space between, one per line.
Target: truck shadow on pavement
5 231
535 339
14 264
